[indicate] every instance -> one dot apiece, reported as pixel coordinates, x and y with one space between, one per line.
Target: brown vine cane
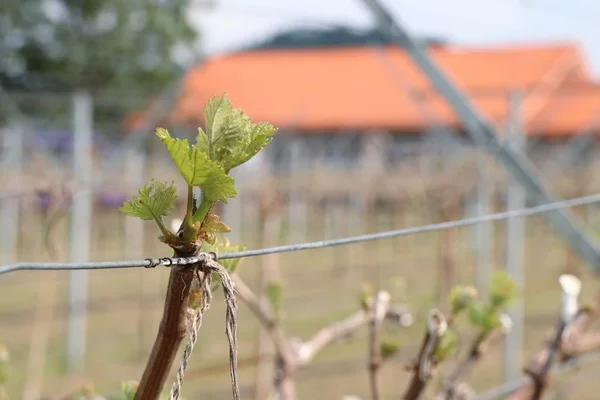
203 277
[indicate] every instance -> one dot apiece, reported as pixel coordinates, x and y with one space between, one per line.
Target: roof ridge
453 47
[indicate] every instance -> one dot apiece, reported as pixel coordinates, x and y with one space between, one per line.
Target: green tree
92 44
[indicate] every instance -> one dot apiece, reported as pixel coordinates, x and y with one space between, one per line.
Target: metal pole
11 167
515 240
484 134
134 236
134 227
80 228
484 233
298 207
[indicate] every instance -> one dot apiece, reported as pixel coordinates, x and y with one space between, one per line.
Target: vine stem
171 332
196 317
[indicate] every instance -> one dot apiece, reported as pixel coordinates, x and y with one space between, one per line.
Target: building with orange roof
354 90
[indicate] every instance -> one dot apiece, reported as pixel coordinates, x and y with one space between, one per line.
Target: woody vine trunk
172 330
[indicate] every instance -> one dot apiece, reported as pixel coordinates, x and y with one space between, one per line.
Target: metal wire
148 263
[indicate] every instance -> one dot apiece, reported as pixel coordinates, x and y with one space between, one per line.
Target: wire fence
169 261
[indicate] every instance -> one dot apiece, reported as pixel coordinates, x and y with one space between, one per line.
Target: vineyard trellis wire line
167 261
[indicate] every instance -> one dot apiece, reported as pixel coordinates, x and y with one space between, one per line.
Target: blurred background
365 144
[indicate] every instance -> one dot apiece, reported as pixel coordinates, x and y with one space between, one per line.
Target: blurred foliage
503 290
67 44
461 298
221 246
274 293
365 296
446 346
486 316
389 348
4 359
129 388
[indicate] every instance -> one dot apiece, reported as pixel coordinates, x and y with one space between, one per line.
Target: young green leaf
256 137
212 226
212 223
231 264
220 246
477 313
446 346
231 138
461 297
389 348
274 292
217 114
129 388
153 201
365 297
491 321
484 316
197 169
503 290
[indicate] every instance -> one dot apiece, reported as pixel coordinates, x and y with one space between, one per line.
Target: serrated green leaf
153 201
257 136
217 111
202 142
211 227
212 223
389 348
503 290
197 169
231 138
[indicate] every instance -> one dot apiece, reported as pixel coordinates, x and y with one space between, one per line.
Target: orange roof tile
573 110
366 87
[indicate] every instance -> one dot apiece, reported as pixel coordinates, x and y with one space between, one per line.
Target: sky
234 23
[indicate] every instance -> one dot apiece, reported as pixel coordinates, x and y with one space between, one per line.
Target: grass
126 308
